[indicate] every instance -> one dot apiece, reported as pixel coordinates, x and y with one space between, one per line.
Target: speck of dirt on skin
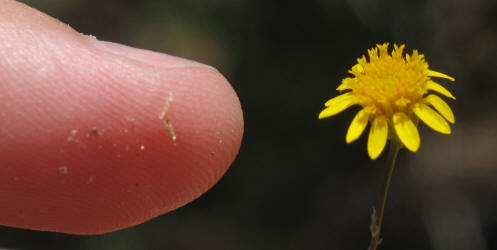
74 132
211 154
63 170
167 123
94 131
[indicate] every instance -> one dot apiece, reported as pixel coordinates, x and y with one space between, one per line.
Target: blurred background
296 184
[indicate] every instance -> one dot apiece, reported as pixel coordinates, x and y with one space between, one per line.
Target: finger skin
83 148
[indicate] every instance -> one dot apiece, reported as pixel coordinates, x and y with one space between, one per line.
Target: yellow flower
393 91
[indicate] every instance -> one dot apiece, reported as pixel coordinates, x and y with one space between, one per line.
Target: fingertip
99 139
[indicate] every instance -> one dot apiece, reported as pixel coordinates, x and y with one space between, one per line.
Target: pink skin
82 148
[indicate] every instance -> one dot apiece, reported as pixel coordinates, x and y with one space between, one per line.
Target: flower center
389 83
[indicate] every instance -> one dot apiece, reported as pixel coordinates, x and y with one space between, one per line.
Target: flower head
394 91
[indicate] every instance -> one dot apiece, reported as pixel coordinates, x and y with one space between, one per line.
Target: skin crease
83 149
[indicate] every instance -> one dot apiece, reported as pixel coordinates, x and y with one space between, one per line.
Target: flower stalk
377 219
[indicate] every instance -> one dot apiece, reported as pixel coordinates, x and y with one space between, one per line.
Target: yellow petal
337 105
378 135
357 126
441 75
358 68
431 118
346 84
406 131
347 97
397 51
441 106
431 85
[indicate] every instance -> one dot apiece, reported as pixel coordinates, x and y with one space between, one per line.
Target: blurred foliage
296 184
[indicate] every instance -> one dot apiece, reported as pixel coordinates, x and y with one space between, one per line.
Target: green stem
376 221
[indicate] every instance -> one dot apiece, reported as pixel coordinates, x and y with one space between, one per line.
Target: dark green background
296 184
